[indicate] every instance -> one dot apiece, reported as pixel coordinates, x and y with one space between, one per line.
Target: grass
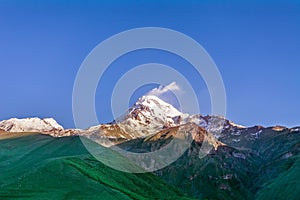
42 167
38 166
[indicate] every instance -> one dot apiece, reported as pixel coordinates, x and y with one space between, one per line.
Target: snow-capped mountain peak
148 115
157 106
30 125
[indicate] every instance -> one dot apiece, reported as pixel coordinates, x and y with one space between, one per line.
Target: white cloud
164 89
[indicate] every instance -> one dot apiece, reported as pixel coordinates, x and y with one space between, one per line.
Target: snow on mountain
158 106
214 124
236 125
30 125
149 115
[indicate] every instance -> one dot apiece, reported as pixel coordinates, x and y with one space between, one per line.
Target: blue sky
256 46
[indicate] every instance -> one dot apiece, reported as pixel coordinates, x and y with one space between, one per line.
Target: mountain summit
30 125
147 116
156 106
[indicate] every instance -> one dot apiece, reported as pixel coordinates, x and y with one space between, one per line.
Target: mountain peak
148 115
157 105
33 124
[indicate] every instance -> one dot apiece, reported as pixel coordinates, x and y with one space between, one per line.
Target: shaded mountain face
246 163
162 138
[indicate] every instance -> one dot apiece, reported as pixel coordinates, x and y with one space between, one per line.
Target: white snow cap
157 106
30 125
147 116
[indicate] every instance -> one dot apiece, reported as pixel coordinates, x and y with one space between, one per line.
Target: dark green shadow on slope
41 167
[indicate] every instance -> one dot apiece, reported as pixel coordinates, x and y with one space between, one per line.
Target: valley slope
35 166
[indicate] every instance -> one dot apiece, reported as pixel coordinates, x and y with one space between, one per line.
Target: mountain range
41 159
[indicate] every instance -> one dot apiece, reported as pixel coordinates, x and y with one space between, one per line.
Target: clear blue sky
255 45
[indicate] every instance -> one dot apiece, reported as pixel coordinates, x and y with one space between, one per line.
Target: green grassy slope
285 185
216 176
267 167
42 167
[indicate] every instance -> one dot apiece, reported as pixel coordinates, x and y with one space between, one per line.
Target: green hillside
264 167
41 167
285 185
